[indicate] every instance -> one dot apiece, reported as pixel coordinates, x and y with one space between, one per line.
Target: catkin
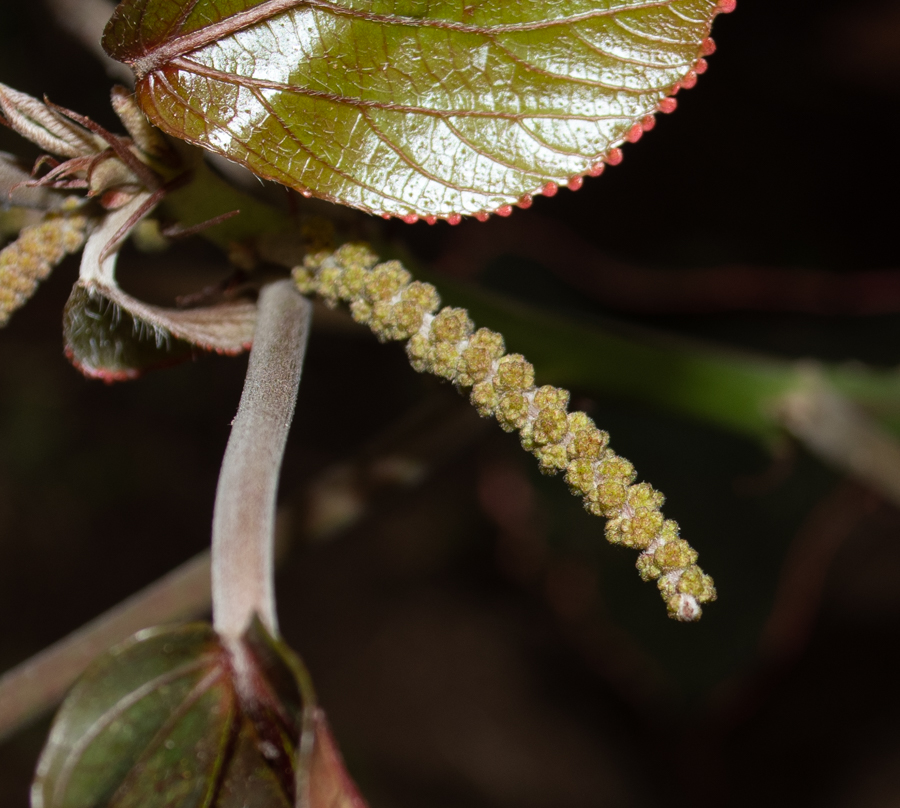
29 259
445 342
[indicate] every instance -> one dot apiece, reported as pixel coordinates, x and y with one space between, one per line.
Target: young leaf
177 718
113 336
408 107
45 127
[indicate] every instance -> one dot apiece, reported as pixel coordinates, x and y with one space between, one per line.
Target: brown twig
37 684
843 435
427 436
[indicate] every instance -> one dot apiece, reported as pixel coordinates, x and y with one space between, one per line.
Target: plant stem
735 390
244 518
843 435
400 457
37 684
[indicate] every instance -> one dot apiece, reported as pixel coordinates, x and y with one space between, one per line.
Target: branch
843 435
401 456
244 517
37 684
728 388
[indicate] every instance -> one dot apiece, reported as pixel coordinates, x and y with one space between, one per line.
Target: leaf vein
318 158
625 60
414 164
178 46
189 65
123 704
649 37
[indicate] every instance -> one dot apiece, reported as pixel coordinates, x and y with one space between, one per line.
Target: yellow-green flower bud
329 283
355 255
353 281
580 477
451 325
484 398
549 396
386 280
512 411
477 360
405 320
552 458
550 426
674 555
444 358
305 280
423 295
514 373
615 468
361 310
587 442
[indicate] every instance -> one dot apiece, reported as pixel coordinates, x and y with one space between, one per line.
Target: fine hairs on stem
244 517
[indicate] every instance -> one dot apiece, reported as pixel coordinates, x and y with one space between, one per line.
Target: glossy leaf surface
415 108
175 719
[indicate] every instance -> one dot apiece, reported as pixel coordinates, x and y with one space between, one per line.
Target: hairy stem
37 684
398 458
244 518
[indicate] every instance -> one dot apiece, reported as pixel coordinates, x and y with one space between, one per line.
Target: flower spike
445 342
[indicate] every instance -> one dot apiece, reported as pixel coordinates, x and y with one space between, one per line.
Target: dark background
474 640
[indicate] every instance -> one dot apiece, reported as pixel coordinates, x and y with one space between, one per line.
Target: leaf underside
111 336
413 108
166 721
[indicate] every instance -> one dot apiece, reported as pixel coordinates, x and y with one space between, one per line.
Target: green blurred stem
734 390
243 534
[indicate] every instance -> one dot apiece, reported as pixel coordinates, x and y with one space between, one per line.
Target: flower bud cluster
445 342
31 257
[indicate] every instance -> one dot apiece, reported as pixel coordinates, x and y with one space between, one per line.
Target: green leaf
176 718
413 108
